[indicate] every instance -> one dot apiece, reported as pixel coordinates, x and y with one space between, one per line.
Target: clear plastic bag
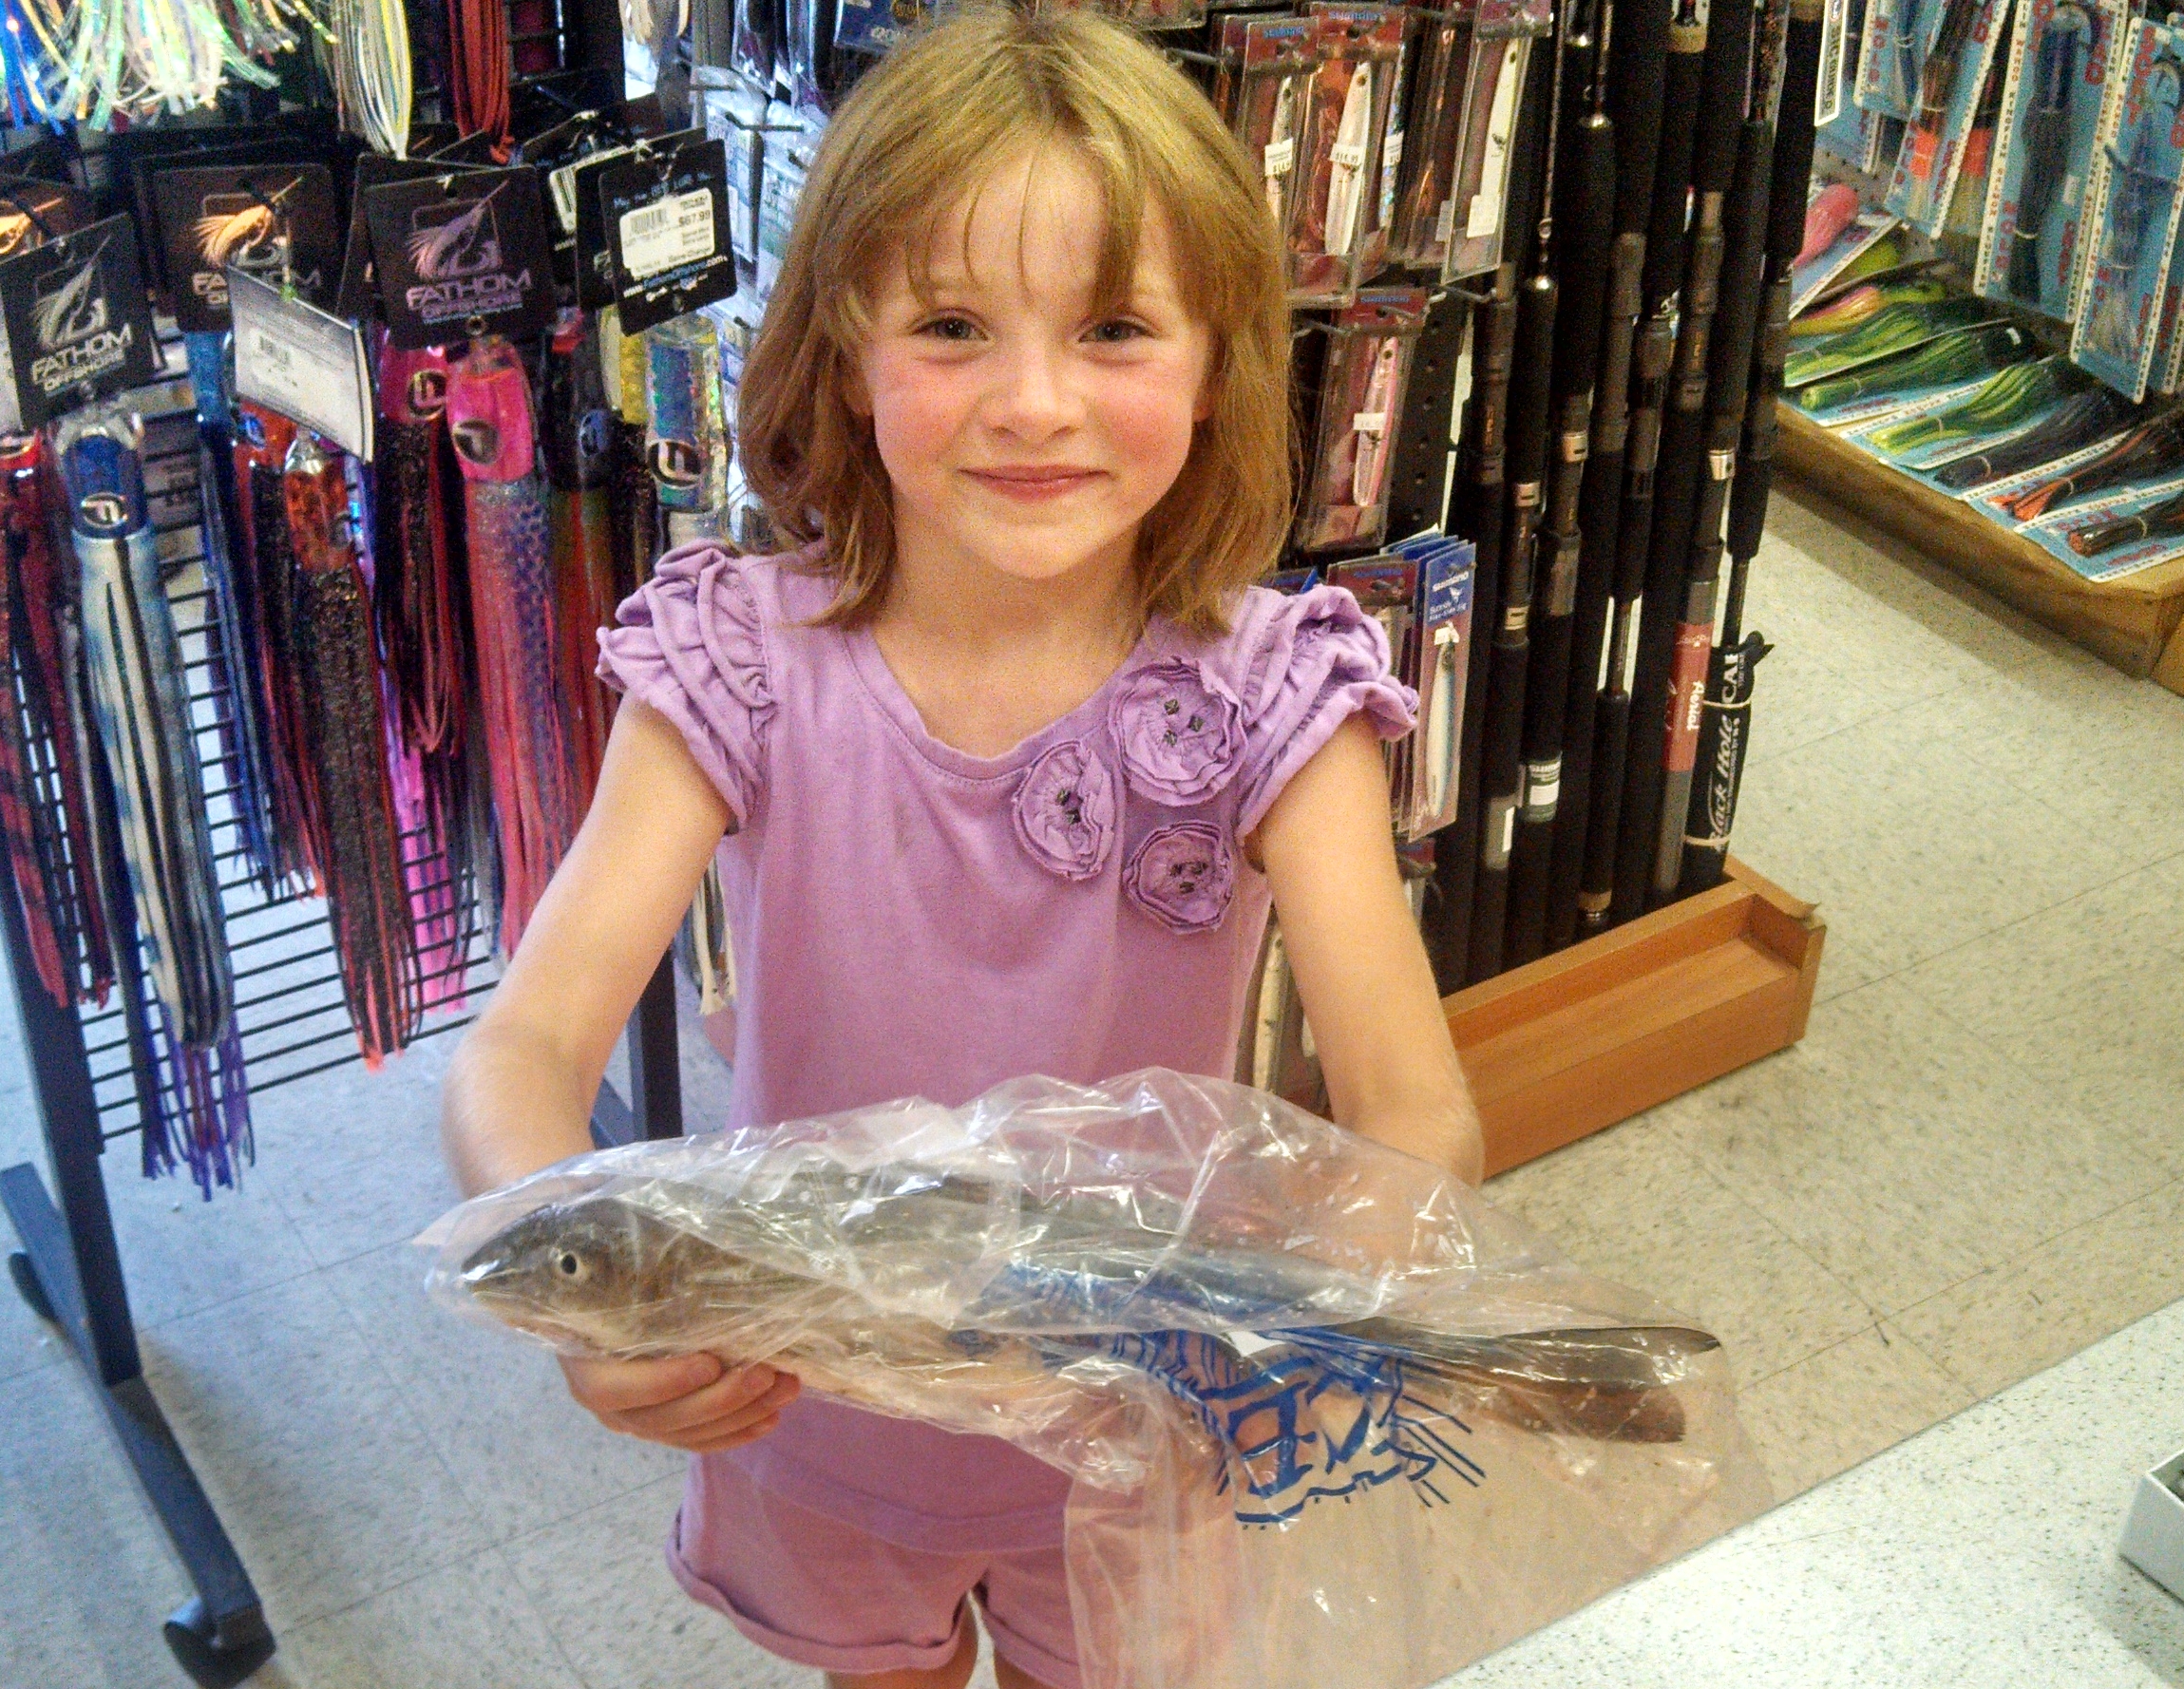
1331 1417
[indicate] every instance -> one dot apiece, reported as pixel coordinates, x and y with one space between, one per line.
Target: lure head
412 384
489 413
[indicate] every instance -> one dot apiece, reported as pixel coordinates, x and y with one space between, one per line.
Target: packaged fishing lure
2049 125
1952 361
1386 588
1360 405
279 225
1444 652
1470 225
1891 330
874 26
1892 46
2131 209
1264 88
1956 41
1337 232
1998 411
460 255
757 35
1433 135
788 163
686 435
2121 534
1329 1417
1811 278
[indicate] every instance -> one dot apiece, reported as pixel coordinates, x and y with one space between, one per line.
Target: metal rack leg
654 1108
69 1272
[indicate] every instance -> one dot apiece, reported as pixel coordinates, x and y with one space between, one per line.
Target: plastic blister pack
1360 404
1330 1416
1263 88
2131 205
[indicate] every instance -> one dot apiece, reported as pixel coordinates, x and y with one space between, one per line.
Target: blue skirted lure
133 662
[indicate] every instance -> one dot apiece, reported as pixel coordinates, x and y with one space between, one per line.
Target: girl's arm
519 1092
1328 850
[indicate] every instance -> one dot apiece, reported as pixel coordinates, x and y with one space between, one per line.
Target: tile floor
1972 1168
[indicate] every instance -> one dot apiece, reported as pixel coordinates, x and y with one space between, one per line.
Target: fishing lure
2075 423
2151 449
1863 304
1936 83
443 795
1832 210
56 882
2000 404
134 664
1346 178
686 435
2139 196
1891 330
633 498
579 462
2156 520
367 903
2072 31
1956 358
489 418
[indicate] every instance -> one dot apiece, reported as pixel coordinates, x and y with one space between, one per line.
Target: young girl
1010 758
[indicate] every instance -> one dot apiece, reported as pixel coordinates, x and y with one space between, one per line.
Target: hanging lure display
134 663
337 670
62 912
578 465
489 419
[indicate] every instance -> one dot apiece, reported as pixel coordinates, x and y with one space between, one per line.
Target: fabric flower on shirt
1065 811
1181 732
1182 876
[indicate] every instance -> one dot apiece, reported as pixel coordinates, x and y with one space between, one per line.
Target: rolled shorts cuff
829 1657
1026 1655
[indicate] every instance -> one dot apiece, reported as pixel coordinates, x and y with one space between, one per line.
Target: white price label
1445 225
677 230
1351 153
1392 153
1369 422
1278 157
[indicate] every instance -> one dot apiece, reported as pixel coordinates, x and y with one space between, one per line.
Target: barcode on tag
1392 153
1278 157
676 230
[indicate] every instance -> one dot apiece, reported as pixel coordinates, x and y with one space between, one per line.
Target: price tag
299 360
677 230
1392 154
1369 422
665 210
1348 152
1278 157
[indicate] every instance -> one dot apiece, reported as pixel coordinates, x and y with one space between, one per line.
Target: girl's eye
1118 332
957 329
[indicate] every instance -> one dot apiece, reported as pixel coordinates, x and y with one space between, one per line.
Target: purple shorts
821 1592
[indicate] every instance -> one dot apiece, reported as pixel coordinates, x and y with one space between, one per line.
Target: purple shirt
910 919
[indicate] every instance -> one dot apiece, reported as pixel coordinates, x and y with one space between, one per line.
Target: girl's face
1022 433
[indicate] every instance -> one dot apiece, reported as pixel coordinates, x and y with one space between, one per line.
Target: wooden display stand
1576 1041
2135 622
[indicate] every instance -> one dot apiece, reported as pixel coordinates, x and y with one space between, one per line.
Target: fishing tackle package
1891 330
2131 205
1339 236
1263 87
1361 388
1330 1418
1955 42
1998 409
2047 130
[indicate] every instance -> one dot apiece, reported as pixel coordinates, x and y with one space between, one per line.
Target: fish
656 1267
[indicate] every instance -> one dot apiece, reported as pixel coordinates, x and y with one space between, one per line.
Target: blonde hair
920 133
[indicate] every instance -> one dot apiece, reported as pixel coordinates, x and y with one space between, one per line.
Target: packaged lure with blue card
1387 588
874 26
2046 134
1442 667
1957 41
2131 207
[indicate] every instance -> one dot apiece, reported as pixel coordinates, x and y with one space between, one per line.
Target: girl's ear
854 392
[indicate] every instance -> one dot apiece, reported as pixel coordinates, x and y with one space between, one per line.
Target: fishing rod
1478 512
1636 71
1682 69
1725 732
1745 225
1681 453
1529 419
1587 166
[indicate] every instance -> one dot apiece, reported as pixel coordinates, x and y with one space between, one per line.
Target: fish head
582 1272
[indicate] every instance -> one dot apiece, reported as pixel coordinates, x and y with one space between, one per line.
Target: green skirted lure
1895 328
2012 397
1956 358
2075 424
1863 304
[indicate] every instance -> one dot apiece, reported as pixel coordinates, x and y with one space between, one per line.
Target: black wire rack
97 1070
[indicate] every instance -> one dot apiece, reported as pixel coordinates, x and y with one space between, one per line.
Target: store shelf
2135 624
1576 1041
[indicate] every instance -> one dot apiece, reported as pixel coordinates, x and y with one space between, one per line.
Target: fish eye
569 1264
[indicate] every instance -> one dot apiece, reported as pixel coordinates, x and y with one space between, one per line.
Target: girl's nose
1035 396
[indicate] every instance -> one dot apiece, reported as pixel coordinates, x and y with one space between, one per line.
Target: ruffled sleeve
1313 661
692 643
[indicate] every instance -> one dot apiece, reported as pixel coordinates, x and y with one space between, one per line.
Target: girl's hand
686 1401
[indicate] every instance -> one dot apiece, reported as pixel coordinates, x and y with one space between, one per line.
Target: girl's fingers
729 1404
716 1445
623 1386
